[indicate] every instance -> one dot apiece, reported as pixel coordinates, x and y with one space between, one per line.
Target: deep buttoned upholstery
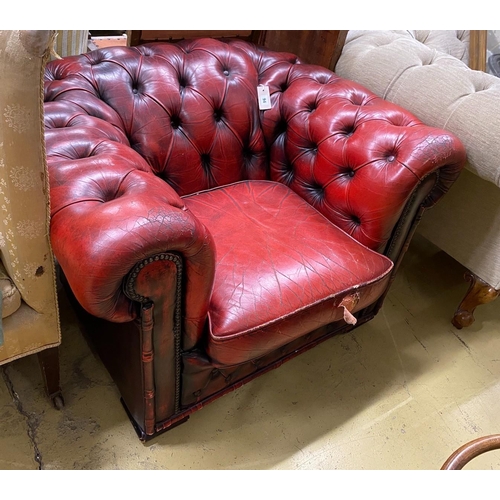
276 220
427 72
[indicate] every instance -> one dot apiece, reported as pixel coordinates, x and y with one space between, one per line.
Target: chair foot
479 293
140 432
49 366
58 402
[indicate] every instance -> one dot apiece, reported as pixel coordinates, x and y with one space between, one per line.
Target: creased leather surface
115 219
132 129
281 268
349 153
189 112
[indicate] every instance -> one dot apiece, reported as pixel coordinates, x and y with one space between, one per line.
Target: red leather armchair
206 241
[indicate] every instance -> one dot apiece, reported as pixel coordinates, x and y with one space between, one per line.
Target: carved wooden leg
479 293
49 364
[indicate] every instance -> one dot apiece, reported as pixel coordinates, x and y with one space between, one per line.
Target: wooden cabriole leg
49 365
479 293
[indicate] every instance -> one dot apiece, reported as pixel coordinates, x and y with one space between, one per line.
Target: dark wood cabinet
322 47
138 37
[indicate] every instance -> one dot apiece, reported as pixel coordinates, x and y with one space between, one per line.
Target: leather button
175 122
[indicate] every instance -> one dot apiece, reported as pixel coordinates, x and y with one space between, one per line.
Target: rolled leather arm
434 85
109 213
352 155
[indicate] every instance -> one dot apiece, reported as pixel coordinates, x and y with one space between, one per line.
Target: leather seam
356 288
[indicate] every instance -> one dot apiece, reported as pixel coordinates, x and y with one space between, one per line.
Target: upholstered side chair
30 319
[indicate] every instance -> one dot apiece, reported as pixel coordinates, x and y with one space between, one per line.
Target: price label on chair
264 97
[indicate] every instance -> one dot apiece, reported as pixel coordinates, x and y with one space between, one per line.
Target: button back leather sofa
206 241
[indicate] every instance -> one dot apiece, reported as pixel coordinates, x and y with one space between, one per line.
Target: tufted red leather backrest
352 155
190 114
189 110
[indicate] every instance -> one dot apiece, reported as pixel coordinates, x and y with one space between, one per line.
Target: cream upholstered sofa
30 320
427 73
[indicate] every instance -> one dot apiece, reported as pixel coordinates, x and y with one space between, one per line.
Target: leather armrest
109 212
107 216
352 155
437 87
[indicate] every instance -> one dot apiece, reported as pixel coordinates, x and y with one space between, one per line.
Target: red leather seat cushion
282 269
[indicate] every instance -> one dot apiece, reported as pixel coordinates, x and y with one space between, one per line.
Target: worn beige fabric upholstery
24 231
452 42
426 72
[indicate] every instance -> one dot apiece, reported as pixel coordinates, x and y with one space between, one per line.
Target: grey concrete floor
401 392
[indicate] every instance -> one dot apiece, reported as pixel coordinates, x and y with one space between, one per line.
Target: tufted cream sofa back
452 42
413 69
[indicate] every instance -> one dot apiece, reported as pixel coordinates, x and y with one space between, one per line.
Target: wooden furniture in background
138 37
479 293
477 49
322 47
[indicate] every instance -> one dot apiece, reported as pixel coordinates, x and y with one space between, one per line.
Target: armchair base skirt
119 348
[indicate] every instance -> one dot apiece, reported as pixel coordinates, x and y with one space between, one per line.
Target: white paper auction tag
264 97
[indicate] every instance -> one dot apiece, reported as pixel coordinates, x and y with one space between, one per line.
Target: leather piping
129 291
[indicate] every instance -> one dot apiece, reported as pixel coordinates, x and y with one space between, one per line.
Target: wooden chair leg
49 365
479 293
